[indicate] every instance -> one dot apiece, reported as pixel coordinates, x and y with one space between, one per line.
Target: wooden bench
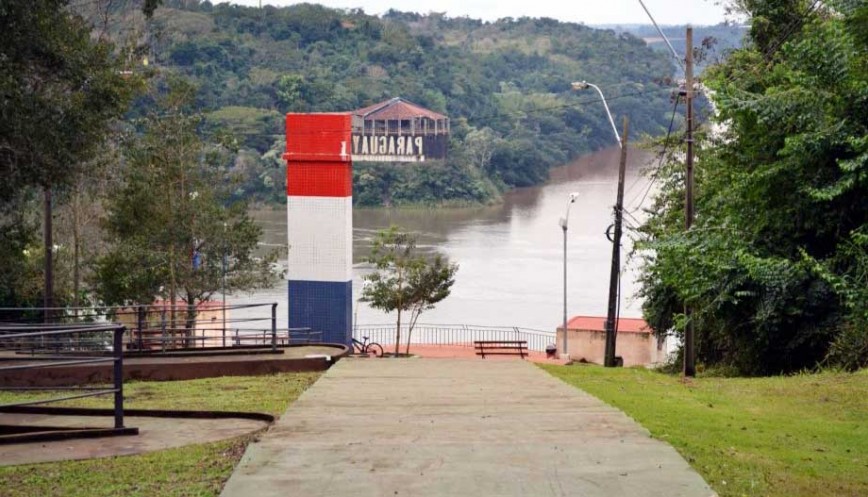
501 347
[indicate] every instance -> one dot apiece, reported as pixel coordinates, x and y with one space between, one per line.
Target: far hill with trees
505 85
717 41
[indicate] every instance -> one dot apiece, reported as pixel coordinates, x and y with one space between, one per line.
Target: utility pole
615 275
689 332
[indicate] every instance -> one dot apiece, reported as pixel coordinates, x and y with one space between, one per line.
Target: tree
404 280
62 91
171 224
774 266
479 145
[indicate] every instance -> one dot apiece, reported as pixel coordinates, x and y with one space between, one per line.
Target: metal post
224 284
689 334
274 327
163 329
119 376
48 244
564 222
565 349
141 325
615 275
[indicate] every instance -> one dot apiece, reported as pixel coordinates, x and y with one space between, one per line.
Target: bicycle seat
365 338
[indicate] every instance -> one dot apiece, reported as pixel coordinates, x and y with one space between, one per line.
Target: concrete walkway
462 427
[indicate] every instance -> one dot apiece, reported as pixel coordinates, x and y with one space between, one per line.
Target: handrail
42 356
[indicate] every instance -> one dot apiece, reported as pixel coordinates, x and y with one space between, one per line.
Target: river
510 255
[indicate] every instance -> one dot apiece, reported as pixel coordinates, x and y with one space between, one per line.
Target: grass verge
803 435
196 470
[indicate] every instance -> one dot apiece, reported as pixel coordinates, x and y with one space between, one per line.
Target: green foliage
171 222
774 266
405 280
21 260
61 89
713 43
511 78
253 128
61 94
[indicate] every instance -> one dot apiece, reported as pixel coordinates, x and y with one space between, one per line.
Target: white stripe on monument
320 238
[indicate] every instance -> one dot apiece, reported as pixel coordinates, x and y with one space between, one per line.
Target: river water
510 255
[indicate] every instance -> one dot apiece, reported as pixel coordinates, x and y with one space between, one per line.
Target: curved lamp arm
581 85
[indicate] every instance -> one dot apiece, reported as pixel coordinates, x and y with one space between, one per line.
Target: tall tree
773 264
61 92
173 228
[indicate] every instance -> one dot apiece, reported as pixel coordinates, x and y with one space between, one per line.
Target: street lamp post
564 221
365 284
615 275
583 85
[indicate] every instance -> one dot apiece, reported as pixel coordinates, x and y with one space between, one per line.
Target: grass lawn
803 435
196 470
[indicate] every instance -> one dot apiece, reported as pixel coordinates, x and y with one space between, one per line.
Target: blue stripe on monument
322 306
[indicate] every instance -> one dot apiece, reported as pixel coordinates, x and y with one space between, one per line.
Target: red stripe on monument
319 179
318 137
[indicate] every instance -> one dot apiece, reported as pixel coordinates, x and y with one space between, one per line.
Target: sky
696 12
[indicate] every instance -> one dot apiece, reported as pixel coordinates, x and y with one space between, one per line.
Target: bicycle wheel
375 349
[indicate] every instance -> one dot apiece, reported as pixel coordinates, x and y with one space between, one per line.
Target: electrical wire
535 111
656 173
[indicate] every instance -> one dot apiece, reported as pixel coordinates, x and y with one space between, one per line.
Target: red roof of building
598 323
396 108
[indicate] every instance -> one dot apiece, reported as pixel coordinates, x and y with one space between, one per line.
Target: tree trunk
398 335
48 244
76 251
172 297
190 322
414 315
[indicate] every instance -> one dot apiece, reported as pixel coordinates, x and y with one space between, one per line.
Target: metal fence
164 328
455 334
26 347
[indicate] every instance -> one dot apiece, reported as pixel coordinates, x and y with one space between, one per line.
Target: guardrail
28 347
455 334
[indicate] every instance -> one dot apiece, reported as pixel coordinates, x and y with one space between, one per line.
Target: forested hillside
505 85
716 42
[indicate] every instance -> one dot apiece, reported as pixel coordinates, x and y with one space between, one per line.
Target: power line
535 111
662 157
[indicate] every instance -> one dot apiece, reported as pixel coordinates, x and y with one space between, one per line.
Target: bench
500 347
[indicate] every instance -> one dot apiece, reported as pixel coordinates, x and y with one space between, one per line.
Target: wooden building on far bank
399 131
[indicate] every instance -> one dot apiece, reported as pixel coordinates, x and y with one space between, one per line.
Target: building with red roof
635 342
397 130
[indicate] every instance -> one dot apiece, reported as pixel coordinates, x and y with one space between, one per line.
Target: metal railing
26 347
164 328
455 334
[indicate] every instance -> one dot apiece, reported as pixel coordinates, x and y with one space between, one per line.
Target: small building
586 341
398 130
206 329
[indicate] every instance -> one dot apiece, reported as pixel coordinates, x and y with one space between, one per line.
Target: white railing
454 334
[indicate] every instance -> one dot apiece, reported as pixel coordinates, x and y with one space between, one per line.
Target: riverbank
782 436
511 254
